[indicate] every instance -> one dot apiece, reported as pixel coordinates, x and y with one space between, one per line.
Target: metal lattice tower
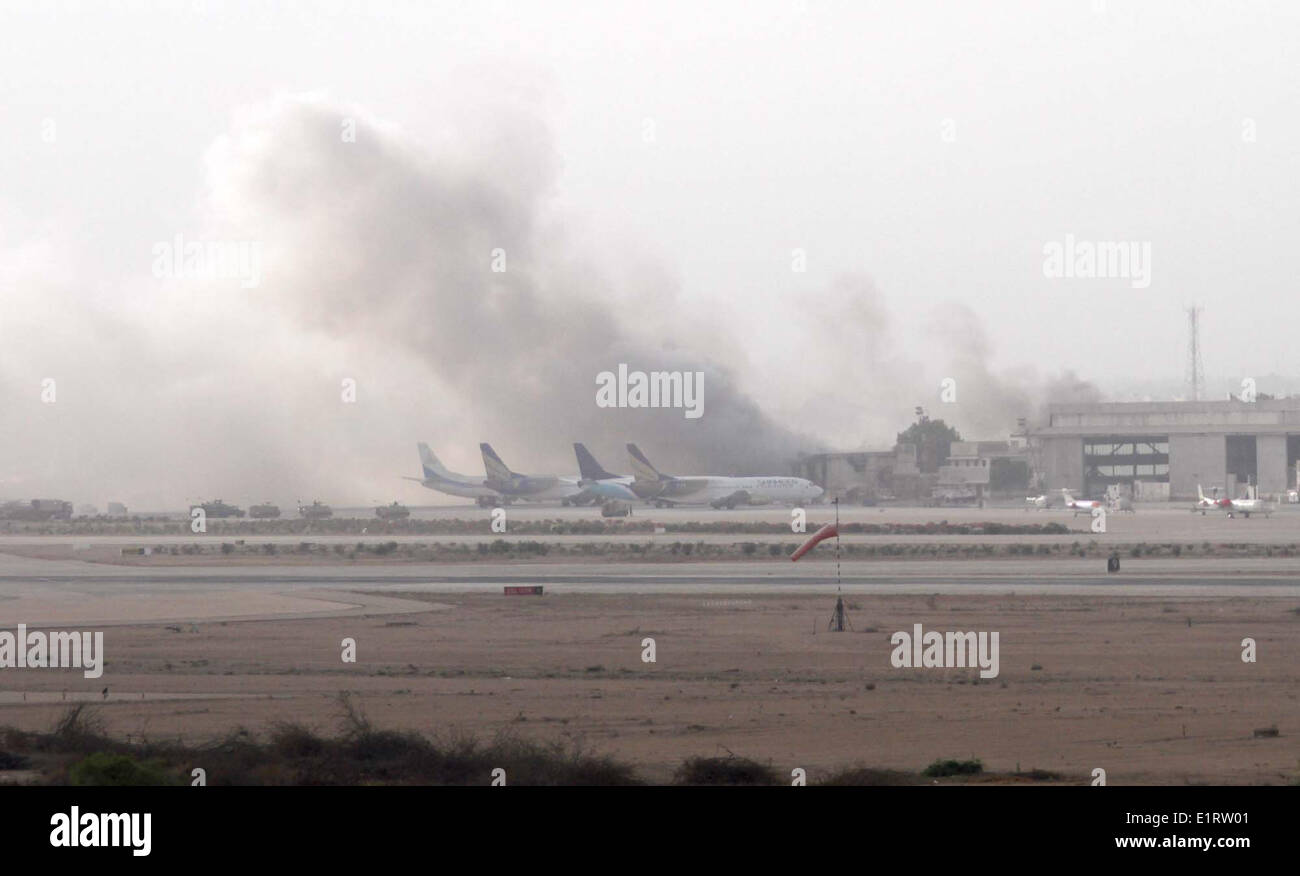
1195 367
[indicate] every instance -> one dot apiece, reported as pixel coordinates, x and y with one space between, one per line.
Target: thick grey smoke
988 403
377 257
382 244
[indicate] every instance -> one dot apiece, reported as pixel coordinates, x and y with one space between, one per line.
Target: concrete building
964 476
863 475
1138 445
976 470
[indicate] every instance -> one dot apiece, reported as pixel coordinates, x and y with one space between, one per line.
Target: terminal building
972 471
1155 450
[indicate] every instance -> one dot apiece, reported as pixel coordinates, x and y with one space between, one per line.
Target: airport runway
37 591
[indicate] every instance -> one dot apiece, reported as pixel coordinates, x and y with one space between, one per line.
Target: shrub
105 768
725 771
942 768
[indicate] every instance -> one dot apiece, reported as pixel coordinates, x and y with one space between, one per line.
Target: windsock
830 530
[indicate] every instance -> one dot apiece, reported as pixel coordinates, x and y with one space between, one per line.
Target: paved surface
36 591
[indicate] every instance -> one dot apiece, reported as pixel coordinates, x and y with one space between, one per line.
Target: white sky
776 126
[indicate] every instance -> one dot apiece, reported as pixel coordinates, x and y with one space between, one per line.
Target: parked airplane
720 491
437 477
530 488
1244 507
1079 506
595 480
1202 503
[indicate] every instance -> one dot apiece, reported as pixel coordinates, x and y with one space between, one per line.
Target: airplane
1078 506
1202 503
1244 507
530 488
719 491
437 477
599 482
646 479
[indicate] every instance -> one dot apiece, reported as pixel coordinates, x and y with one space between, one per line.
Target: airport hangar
1162 450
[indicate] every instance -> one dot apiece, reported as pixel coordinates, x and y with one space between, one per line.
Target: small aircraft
1244 507
1202 503
1079 506
1247 506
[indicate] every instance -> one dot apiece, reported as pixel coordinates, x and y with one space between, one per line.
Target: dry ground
1125 683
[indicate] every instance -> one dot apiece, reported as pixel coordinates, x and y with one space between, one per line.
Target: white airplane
1202 503
437 477
717 490
530 488
1078 506
1244 507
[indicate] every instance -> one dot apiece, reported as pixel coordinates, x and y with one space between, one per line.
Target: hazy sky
674 158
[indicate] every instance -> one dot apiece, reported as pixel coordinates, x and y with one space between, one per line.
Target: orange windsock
830 530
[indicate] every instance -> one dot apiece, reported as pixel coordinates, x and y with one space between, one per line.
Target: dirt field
1121 683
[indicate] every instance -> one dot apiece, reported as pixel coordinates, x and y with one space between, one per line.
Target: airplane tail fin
492 464
433 468
588 468
642 469
1200 494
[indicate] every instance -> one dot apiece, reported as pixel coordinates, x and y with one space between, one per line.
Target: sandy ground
1126 682
1139 674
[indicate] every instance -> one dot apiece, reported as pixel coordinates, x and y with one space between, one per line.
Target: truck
394 511
316 511
219 509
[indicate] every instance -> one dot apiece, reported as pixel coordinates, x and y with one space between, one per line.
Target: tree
933 440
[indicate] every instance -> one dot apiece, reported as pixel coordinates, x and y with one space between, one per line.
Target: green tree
933 440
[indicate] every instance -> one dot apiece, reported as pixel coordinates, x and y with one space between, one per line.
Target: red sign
531 590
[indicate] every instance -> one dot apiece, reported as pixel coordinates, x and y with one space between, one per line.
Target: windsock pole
837 544
839 619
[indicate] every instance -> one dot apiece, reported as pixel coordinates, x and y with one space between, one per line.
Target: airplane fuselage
537 488
731 491
456 488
